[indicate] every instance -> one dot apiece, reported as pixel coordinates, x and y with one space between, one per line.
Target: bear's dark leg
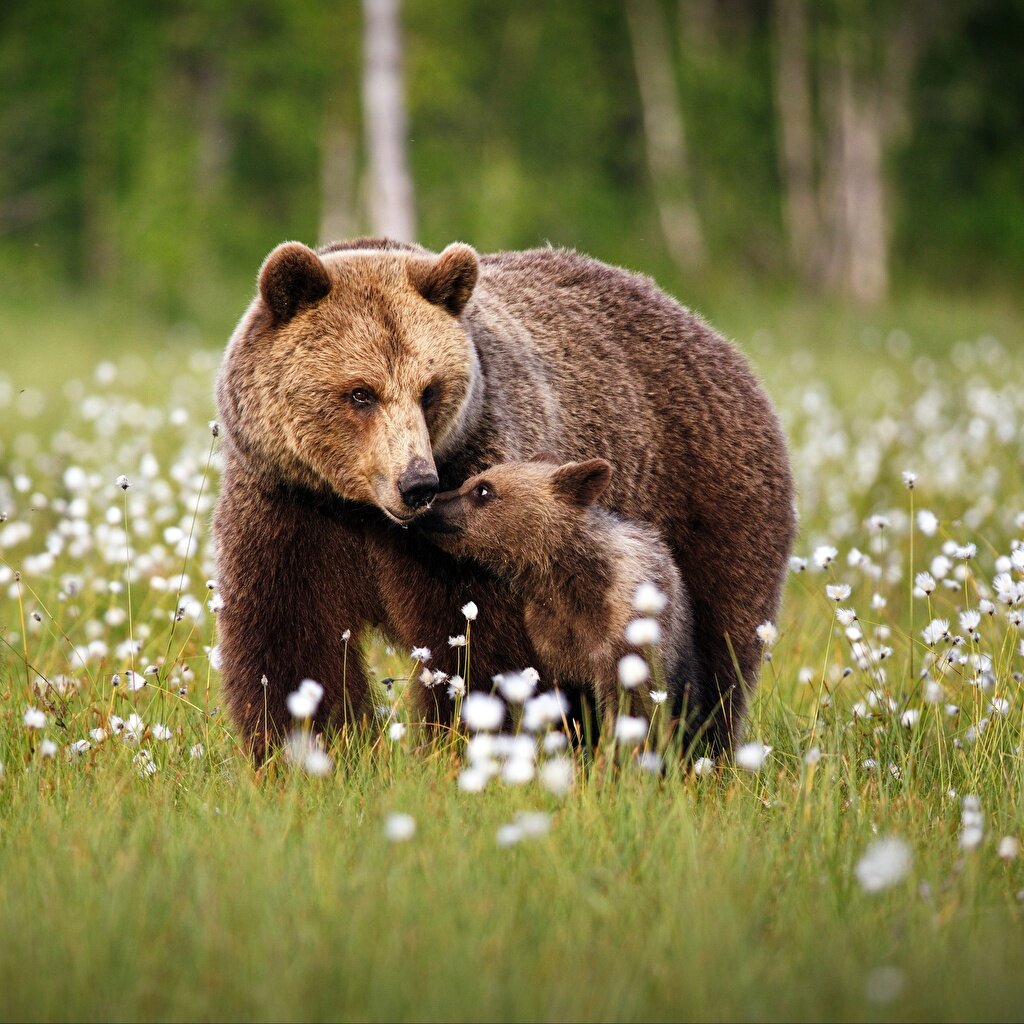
294 579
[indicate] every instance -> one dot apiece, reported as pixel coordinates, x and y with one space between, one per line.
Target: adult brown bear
369 374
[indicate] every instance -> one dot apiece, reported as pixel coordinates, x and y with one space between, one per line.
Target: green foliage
158 151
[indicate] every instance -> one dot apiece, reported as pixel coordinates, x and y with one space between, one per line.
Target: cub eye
482 493
429 396
362 396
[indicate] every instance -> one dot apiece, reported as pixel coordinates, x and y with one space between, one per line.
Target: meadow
858 859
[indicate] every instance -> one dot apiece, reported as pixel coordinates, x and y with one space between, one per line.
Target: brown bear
369 375
579 571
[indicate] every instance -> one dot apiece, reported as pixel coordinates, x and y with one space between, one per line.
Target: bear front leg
294 581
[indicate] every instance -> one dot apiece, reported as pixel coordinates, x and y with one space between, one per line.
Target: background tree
153 154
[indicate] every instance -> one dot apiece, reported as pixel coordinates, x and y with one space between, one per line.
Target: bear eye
482 493
362 396
429 396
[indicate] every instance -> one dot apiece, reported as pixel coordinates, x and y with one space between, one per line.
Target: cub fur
576 567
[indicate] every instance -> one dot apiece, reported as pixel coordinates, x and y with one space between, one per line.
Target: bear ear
545 456
291 277
582 483
446 280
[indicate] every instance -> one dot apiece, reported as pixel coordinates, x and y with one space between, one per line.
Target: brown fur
575 567
552 351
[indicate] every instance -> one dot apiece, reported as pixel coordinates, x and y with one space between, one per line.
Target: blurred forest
852 148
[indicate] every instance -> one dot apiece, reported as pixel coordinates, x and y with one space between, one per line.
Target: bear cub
577 569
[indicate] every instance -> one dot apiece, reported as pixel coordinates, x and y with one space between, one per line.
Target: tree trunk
857 264
795 120
337 178
665 134
392 210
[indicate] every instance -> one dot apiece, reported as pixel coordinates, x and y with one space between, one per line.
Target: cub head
351 370
514 515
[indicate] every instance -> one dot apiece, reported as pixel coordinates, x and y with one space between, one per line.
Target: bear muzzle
418 484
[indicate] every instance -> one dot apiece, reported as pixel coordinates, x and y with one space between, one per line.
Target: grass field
862 868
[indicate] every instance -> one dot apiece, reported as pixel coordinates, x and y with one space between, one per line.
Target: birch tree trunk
665 134
838 220
392 210
337 178
859 262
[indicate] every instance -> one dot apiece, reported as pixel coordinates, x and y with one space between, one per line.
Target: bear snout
418 484
446 517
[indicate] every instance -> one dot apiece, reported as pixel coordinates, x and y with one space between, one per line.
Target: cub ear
446 280
291 277
581 483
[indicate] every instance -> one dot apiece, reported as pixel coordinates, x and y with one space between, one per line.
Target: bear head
514 516
351 371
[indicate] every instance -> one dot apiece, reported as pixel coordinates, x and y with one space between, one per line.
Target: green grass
205 890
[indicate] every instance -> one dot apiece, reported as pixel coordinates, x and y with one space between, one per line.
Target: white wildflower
302 704
659 696
643 632
470 611
703 766
884 864
34 718
483 712
396 731
134 729
633 671
316 762
473 779
543 710
509 835
751 756
457 641
837 591
824 556
399 828
909 479
935 631
970 620
144 763
927 522
516 687
630 730
649 600
517 771
1008 848
421 654
767 633
554 742
557 773
925 583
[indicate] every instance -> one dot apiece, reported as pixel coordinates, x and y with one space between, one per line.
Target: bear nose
418 484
